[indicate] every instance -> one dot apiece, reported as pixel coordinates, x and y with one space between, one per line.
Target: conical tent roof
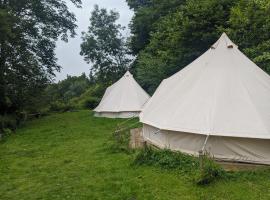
221 93
124 95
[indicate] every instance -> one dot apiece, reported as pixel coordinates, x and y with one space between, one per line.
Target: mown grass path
68 156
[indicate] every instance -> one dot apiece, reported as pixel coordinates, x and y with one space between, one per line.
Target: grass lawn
68 156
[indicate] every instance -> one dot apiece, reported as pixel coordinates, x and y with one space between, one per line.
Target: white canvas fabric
248 150
221 94
117 114
123 99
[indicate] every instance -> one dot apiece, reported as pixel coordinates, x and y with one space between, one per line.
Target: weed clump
167 159
121 136
210 172
121 142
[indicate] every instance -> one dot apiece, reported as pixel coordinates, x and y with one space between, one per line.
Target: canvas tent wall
219 103
123 99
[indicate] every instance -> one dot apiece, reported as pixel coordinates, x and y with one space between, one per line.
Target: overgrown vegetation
121 135
166 159
189 165
204 173
210 172
73 93
121 142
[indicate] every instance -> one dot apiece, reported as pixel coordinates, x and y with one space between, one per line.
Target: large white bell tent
123 99
220 103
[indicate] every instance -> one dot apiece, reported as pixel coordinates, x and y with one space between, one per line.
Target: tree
136 4
146 14
179 34
250 28
104 46
179 37
29 30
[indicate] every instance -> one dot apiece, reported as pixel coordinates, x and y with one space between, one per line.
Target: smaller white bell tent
219 103
123 99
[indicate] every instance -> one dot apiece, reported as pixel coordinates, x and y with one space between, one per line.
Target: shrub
210 172
121 143
61 107
90 102
44 111
8 122
90 98
7 131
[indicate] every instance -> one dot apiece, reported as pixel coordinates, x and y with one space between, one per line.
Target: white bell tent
220 103
123 99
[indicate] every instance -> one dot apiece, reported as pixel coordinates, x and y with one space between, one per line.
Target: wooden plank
136 138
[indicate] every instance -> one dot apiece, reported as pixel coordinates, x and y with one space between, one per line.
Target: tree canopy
177 32
147 13
29 30
104 46
249 27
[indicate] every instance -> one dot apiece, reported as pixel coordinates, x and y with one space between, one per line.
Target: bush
98 90
90 102
121 143
7 131
61 107
90 98
44 111
8 122
210 172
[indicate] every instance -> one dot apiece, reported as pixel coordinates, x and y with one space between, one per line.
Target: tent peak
224 41
127 74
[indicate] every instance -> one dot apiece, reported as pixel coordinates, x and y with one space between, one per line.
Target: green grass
68 156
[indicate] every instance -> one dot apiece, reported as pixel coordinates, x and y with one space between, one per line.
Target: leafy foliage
177 32
8 122
90 98
67 89
136 4
179 37
121 142
29 30
166 159
75 92
104 46
59 106
249 28
121 135
90 102
210 172
147 13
